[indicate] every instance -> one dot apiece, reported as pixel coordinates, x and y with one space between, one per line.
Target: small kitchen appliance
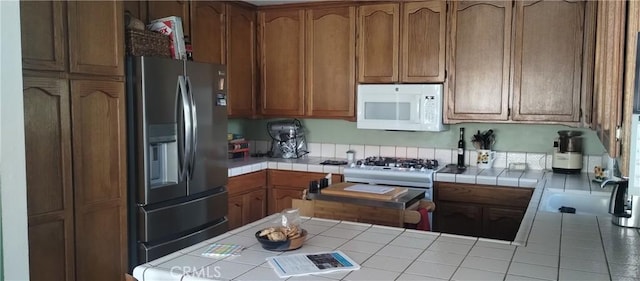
401 107
567 152
287 139
621 204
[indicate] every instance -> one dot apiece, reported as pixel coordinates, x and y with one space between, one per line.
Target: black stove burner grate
399 162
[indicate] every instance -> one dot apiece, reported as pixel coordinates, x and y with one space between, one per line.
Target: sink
452 169
585 204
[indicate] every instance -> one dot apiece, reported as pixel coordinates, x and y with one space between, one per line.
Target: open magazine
315 263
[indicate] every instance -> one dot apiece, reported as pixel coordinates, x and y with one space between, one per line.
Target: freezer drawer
163 223
147 252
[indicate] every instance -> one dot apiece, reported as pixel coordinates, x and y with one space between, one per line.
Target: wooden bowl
285 245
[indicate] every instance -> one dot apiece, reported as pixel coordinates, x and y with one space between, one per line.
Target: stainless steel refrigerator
177 153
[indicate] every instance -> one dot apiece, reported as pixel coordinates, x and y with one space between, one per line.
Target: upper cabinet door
423 41
207 32
96 37
241 66
282 62
549 37
330 63
43 35
608 75
378 37
161 9
478 53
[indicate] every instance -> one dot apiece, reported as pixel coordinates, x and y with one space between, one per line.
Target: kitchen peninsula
549 246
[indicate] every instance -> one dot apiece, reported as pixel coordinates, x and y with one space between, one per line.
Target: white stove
405 172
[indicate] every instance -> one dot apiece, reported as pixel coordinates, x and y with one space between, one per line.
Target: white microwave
403 107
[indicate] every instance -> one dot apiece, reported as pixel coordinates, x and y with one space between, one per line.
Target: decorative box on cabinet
180 8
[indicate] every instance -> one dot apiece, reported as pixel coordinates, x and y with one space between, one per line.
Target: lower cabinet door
501 223
280 198
459 218
235 211
255 205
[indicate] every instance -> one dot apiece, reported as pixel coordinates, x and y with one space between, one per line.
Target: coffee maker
621 204
287 139
567 152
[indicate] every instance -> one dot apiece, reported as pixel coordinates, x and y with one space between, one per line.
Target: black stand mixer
287 139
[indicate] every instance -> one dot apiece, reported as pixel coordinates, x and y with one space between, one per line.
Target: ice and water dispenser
163 155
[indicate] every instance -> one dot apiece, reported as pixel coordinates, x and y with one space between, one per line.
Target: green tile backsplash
509 137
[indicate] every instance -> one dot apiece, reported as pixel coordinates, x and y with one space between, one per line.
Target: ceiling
277 2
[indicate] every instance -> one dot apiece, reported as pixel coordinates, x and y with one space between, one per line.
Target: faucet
611 181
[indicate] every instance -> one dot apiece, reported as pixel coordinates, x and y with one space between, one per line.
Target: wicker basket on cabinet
147 43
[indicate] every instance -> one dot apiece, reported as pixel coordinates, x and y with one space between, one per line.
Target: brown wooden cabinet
161 9
247 198
137 9
307 60
422 32
459 218
96 37
608 76
522 61
631 39
241 61
45 48
208 32
548 50
480 210
75 140
330 62
282 186
281 40
402 42
49 178
378 38
478 52
501 223
99 175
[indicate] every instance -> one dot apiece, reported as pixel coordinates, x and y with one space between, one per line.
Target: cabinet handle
237 205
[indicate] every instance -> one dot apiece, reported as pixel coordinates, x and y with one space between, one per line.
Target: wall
509 137
13 186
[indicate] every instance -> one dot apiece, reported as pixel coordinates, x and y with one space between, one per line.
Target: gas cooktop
394 162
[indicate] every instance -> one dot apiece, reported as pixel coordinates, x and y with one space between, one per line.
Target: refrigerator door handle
194 128
186 116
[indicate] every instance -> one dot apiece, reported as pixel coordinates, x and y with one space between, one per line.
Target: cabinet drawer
482 194
245 183
296 179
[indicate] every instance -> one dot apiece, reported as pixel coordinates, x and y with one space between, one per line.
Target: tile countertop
549 246
306 164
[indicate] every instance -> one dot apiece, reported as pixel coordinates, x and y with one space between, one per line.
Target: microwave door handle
186 117
194 128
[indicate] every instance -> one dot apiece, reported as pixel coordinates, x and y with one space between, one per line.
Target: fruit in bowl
281 238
